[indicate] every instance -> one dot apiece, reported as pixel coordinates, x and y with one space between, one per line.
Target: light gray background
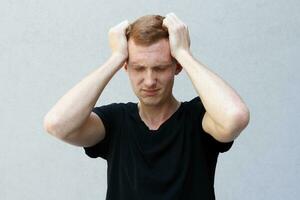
46 47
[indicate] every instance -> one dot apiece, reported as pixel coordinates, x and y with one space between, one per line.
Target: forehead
158 53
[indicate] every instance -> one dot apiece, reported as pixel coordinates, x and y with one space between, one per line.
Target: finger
166 23
171 14
122 24
170 22
176 19
170 17
125 23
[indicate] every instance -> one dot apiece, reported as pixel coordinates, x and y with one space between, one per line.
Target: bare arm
69 113
70 119
226 113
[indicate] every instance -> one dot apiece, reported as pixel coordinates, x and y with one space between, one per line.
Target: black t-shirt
175 162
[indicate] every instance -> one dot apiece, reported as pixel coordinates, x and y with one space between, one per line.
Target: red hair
147 30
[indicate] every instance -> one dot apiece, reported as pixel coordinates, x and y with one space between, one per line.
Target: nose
150 79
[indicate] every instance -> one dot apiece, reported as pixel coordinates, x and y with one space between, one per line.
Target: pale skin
74 123
71 119
226 113
151 68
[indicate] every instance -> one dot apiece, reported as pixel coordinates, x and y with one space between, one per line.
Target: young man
158 148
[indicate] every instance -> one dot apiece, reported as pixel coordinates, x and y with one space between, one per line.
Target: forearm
220 100
72 109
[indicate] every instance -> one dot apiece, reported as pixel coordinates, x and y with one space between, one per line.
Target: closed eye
139 69
160 68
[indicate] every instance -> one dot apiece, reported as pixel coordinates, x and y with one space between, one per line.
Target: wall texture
46 47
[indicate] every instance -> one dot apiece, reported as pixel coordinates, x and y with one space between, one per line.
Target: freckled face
151 71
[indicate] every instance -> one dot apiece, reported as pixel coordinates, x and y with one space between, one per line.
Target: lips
150 92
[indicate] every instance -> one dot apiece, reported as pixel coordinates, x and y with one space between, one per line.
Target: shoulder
111 106
194 106
115 108
112 113
195 101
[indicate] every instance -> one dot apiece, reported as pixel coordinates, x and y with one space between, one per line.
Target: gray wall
46 47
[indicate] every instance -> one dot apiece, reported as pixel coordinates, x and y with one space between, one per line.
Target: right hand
118 40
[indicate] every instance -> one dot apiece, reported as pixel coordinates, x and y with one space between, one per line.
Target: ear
178 67
125 66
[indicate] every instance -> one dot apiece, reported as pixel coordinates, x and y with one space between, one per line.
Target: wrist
119 57
182 55
114 62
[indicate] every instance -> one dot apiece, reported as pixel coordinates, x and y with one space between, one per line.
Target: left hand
179 38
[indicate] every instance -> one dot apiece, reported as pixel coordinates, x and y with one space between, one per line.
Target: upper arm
91 132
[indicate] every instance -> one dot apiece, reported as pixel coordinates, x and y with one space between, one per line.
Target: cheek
135 79
167 77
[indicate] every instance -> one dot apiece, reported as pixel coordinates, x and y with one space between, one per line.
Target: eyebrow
161 65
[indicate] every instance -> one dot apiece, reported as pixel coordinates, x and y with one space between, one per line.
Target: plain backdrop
46 47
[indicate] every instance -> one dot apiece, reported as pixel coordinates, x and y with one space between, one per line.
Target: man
158 148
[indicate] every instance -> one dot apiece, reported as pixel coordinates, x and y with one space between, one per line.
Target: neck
155 115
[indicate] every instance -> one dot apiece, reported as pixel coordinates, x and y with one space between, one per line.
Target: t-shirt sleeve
109 115
199 110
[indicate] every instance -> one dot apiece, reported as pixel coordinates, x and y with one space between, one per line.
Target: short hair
147 30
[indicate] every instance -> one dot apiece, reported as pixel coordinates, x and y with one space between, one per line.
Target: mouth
150 92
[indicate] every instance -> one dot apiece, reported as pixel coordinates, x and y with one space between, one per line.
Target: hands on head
118 40
179 39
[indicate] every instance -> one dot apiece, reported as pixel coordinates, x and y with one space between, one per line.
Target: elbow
243 117
51 127
46 124
239 121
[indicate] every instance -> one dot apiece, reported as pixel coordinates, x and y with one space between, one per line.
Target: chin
151 101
